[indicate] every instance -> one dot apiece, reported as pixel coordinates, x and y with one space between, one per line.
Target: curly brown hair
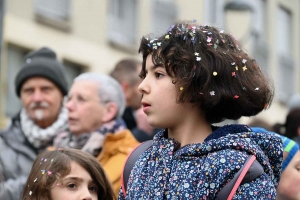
39 184
216 74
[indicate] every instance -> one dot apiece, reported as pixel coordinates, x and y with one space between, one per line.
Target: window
214 12
53 12
14 63
246 20
210 16
72 70
53 9
164 15
122 20
286 66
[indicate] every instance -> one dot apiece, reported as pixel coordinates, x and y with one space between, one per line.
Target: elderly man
41 86
96 103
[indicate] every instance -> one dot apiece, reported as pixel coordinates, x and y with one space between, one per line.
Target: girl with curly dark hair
194 76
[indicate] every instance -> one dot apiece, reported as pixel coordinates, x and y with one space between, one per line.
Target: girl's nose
143 88
86 195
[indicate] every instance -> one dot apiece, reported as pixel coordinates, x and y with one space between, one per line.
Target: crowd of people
73 143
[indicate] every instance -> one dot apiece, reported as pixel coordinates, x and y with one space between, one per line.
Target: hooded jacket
115 150
200 171
16 158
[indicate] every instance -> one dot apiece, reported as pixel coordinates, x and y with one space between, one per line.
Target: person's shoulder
266 136
11 125
122 140
221 166
227 156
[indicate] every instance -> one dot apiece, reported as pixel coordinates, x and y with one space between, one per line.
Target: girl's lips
146 106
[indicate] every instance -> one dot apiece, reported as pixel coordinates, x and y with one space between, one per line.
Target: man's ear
298 131
110 111
127 89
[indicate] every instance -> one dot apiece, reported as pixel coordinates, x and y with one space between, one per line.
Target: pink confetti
209 39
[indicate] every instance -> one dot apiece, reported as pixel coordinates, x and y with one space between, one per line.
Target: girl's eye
72 186
93 188
158 75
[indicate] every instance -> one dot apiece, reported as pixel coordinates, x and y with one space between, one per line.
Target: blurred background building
94 35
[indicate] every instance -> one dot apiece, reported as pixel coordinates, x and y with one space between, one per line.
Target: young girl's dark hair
58 163
210 70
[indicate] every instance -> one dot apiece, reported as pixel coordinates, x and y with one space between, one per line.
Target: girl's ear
110 111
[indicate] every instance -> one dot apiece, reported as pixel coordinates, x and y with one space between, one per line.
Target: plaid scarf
89 142
39 137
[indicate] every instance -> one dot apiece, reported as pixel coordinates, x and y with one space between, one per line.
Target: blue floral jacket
199 171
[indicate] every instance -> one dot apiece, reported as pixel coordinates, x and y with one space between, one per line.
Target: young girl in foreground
194 76
67 174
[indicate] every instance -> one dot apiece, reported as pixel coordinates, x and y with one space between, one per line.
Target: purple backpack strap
131 159
253 172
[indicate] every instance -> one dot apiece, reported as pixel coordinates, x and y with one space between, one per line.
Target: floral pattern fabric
200 171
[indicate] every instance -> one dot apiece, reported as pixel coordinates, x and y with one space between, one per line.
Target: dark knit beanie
42 63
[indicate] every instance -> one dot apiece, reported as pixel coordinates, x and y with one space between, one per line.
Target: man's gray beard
39 114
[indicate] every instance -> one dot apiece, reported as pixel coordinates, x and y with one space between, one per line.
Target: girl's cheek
293 188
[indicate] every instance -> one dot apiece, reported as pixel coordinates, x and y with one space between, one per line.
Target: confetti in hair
202 40
209 39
